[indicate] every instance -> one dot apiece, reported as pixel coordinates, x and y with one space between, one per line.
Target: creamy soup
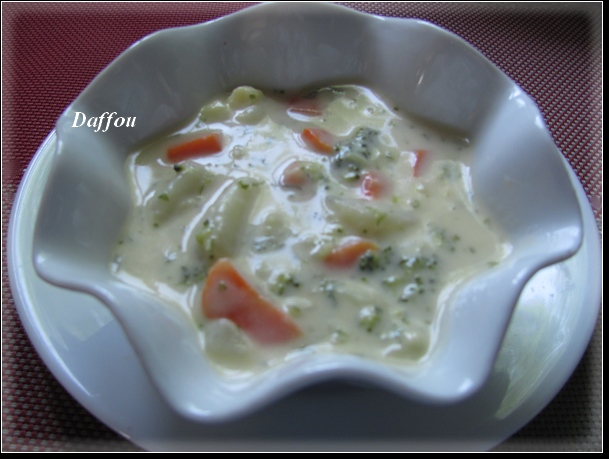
321 222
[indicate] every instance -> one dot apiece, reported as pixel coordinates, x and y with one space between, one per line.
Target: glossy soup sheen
288 224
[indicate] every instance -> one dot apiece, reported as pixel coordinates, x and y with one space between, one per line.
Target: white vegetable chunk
251 115
214 112
225 340
378 219
225 222
244 96
186 187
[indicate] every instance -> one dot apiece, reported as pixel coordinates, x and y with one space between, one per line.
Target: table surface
51 52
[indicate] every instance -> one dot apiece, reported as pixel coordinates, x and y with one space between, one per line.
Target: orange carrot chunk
228 295
420 160
318 140
374 185
294 176
348 253
201 146
305 106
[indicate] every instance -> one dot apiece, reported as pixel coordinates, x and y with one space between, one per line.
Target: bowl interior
518 175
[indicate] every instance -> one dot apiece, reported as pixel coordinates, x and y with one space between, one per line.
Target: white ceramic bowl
518 174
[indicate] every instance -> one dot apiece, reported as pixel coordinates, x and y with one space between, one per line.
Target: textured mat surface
51 51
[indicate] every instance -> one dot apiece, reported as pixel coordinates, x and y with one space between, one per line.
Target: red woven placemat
51 51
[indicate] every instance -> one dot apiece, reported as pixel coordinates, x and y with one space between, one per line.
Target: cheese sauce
349 220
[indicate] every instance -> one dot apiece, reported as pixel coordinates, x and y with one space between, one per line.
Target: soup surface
325 221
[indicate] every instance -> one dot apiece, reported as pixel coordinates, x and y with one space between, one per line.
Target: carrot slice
228 295
348 253
374 185
318 140
420 160
201 146
294 176
305 106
